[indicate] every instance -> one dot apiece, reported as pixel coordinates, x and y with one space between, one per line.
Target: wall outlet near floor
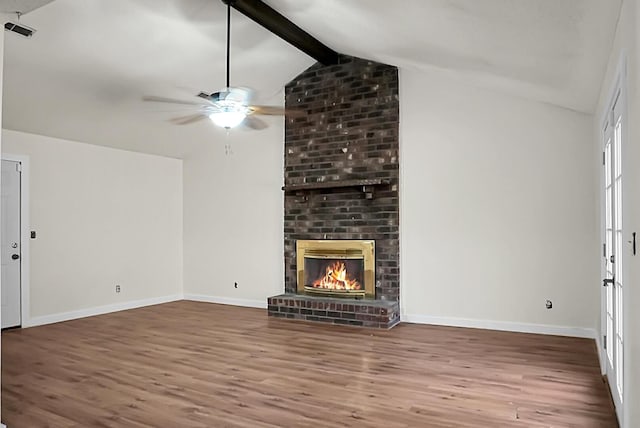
549 304
117 288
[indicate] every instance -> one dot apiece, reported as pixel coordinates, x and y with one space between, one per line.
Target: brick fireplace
341 183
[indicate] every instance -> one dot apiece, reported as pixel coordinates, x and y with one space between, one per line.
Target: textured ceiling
551 51
22 6
83 73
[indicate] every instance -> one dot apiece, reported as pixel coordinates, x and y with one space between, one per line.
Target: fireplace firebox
336 268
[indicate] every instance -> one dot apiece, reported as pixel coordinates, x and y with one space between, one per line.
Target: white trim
100 310
603 367
501 326
25 227
602 357
619 82
401 193
248 303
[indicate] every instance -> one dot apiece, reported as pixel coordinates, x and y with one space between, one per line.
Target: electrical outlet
235 285
117 288
549 304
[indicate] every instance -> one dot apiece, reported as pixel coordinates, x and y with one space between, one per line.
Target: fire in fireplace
342 268
333 274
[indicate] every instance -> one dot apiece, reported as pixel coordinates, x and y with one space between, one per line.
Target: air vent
19 29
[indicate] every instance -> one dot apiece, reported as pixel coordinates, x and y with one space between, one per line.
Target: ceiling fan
229 107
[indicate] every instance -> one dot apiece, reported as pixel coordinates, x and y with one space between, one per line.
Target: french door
613 251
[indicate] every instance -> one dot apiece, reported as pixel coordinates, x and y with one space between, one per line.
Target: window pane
607 163
619 342
618 263
608 224
618 207
617 147
609 344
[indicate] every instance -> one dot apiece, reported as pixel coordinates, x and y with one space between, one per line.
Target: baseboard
501 326
99 310
262 304
248 303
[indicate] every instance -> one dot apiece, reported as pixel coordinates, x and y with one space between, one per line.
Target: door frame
24 237
618 84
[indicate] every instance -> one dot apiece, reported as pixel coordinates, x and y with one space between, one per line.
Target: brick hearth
363 313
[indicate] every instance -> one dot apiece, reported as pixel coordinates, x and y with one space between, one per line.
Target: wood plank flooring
188 364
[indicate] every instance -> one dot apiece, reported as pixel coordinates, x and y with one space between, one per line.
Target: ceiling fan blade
255 123
156 99
275 111
185 120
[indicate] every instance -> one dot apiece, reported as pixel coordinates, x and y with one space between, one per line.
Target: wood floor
188 364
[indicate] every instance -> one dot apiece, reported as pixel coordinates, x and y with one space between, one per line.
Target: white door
613 255
10 241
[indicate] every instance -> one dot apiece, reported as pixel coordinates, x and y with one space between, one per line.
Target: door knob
15 256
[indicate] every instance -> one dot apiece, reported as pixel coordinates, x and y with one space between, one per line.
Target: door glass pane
618 199
618 257
619 342
609 247
616 149
610 340
607 164
608 218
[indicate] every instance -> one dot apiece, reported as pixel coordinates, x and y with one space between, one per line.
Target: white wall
103 217
496 209
627 44
233 224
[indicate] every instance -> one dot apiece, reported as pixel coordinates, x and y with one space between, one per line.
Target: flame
336 278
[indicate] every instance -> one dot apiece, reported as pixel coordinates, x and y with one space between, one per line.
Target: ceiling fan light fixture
229 113
228 107
229 116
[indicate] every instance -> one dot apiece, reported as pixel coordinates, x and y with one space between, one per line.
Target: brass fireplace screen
339 268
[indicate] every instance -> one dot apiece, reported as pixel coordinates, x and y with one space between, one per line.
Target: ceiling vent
19 29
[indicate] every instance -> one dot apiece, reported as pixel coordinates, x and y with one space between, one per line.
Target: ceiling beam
273 21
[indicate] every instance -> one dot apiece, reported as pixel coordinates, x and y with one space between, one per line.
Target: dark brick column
350 132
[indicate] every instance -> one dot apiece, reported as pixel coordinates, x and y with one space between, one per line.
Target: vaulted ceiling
82 75
21 6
